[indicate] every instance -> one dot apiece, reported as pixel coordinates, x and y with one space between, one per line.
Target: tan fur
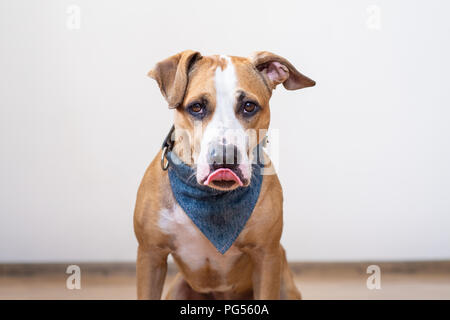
255 266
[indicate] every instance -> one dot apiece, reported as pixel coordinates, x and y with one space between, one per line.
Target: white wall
365 155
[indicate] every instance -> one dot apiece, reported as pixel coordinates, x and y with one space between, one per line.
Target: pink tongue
223 174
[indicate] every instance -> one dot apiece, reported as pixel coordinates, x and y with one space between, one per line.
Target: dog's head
221 107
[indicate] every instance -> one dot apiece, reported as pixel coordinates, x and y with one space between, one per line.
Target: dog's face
222 110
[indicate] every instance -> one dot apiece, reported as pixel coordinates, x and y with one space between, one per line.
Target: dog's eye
249 108
197 109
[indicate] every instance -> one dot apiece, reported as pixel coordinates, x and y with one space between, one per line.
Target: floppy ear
278 70
172 76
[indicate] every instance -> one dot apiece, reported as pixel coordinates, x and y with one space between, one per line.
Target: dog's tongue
223 174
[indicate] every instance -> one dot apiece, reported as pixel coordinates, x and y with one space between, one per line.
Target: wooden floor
332 283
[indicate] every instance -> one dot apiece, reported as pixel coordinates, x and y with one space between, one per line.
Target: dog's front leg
151 269
266 273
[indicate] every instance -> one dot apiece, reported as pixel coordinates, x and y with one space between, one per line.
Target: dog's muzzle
224 161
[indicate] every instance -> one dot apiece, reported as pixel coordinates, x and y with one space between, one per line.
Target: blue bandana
220 215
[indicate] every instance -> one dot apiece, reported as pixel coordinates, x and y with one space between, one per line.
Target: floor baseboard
299 268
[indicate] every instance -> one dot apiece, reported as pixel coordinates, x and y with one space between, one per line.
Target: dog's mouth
223 178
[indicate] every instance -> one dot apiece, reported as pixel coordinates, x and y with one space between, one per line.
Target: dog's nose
224 156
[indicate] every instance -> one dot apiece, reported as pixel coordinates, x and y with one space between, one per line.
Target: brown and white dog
216 100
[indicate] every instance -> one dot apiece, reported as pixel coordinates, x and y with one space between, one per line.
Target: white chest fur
191 244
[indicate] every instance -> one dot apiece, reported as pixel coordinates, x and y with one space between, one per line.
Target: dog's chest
195 250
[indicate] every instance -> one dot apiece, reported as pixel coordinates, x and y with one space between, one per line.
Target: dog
227 248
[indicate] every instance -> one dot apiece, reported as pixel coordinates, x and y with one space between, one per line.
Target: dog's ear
172 75
276 70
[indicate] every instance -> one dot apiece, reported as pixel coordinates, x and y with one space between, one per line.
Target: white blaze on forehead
224 123
225 81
